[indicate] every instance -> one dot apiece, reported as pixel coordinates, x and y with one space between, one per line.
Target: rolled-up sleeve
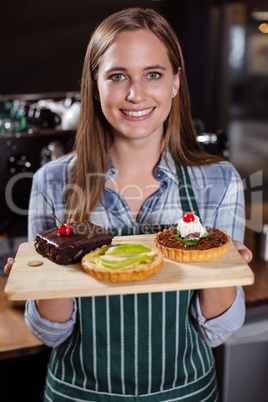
217 330
50 333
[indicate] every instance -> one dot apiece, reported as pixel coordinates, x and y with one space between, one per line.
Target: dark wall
42 45
191 21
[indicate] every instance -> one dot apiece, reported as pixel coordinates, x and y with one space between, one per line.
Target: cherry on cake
67 244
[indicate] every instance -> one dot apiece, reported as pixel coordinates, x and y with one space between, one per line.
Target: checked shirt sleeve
50 333
224 205
230 213
217 330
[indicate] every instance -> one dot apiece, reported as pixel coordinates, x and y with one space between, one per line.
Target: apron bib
140 347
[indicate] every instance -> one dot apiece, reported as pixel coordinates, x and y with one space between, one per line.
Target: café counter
15 338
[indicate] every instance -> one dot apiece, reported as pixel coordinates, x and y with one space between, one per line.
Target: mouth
139 113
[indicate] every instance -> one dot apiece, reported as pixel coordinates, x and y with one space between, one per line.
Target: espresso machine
33 130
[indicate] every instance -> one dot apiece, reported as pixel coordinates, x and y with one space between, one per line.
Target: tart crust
120 275
189 253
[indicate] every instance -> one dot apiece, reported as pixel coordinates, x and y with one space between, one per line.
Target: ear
96 94
176 82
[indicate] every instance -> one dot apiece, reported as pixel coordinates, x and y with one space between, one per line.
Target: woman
134 137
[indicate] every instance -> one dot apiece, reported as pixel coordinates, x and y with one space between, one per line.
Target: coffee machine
34 129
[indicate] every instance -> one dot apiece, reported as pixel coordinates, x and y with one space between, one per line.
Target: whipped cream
194 227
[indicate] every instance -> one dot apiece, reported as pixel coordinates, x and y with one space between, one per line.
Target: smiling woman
135 152
103 82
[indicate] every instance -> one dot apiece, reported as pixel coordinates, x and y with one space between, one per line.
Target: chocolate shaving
192 236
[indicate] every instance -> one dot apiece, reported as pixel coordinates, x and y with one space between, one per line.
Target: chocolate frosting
71 248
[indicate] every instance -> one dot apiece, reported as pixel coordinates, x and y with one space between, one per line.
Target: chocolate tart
208 248
138 272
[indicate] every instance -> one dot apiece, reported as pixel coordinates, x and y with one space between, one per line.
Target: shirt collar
166 170
111 173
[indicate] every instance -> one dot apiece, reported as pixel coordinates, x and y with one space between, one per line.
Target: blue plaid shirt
219 194
218 191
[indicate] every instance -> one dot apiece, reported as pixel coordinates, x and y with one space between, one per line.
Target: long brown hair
93 137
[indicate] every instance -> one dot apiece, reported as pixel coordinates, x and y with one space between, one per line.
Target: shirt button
159 172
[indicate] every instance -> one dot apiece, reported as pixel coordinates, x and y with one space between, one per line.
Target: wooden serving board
50 280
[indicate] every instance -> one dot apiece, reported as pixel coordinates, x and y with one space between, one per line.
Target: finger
245 253
7 269
9 265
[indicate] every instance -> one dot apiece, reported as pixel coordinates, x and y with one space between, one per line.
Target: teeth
137 114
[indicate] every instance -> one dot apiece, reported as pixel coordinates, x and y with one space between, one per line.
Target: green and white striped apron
140 347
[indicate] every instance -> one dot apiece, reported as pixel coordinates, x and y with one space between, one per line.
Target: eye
117 77
154 75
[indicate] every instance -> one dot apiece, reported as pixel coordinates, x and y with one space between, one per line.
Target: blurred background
225 45
42 47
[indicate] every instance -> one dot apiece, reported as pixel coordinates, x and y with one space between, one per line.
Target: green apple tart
122 263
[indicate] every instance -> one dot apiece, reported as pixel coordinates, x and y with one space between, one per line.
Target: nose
136 92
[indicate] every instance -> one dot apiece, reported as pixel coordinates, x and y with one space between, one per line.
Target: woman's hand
8 266
58 310
245 253
214 302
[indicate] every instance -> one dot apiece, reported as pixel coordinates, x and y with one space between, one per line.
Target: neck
133 157
135 161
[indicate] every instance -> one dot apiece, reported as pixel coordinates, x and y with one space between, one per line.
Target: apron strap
188 200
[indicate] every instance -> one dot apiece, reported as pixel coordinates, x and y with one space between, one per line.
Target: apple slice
127 248
122 262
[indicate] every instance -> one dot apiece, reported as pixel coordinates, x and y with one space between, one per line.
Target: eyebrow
154 67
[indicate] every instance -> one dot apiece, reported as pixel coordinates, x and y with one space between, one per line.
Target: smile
138 113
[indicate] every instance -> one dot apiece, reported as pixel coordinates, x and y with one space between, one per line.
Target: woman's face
135 84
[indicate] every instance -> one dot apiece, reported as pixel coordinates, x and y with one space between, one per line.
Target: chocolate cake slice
69 249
